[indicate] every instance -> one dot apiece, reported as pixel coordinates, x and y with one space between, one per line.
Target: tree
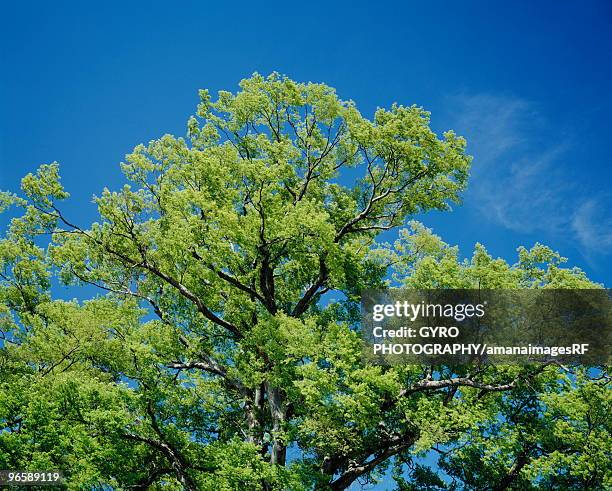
213 358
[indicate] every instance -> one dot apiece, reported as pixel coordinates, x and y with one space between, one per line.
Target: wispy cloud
522 177
592 227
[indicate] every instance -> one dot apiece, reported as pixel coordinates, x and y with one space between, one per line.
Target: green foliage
211 357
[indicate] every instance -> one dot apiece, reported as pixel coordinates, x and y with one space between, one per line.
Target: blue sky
526 82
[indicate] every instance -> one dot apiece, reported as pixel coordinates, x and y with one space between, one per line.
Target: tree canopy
222 349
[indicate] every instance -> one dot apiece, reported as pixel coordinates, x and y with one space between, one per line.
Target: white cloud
520 179
592 228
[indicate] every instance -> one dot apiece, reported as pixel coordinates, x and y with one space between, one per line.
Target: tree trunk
253 410
522 460
278 412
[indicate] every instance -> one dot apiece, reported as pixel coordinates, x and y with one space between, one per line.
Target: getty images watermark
487 326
